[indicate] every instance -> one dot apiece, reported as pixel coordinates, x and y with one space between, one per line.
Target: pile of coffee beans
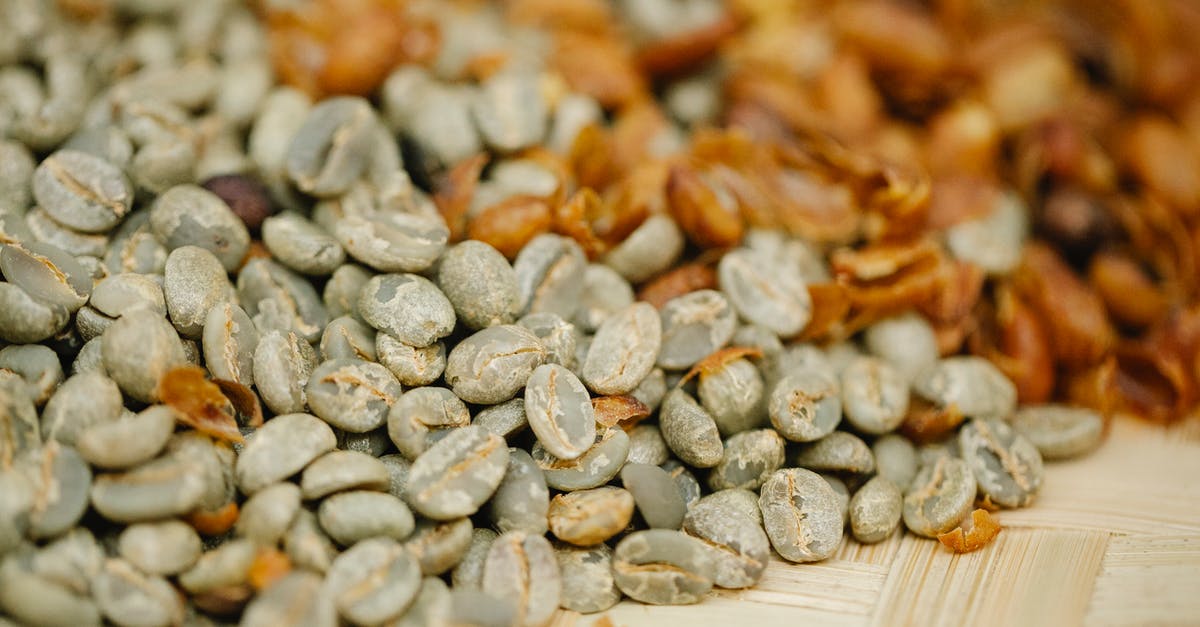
393 425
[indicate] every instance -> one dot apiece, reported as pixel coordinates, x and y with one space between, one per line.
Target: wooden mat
1114 539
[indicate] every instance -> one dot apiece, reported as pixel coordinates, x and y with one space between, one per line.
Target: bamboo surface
1114 539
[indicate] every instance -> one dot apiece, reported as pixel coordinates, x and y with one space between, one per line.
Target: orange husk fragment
457 189
717 360
830 306
511 223
223 600
973 534
216 522
1076 321
598 66
926 423
674 283
244 401
702 214
620 409
572 219
199 403
1012 337
269 565
685 50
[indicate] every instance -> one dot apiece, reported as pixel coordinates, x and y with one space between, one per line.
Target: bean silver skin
560 411
801 514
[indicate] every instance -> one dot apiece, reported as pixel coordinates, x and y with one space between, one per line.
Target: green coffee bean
801 515
662 567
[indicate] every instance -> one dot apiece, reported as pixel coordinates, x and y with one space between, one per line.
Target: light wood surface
1114 539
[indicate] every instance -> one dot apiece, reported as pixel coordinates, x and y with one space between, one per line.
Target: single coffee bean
46 273
329 150
736 501
559 337
398 467
246 197
386 240
874 395
134 248
875 510
230 340
735 396
468 573
522 566
801 515
837 452
522 499
139 349
685 482
44 229
491 365
194 283
352 394
188 215
624 350
280 448
161 488
80 402
648 250
895 459
227 565
750 458
550 271
336 471
412 366
805 406
266 516
420 416
510 112
1058 431
940 496
373 582
689 430
765 291
594 468
605 293
64 482
340 294
26 320
82 191
480 283
128 597
37 365
1007 466
587 578
407 307
348 337
438 545
736 544
128 440
299 593
431 607
906 341
693 326
647 446
301 245
35 600
505 420
458 474
349 517
283 363
560 411
116 294
663 567
588 517
307 545
971 384
278 299
654 492
165 547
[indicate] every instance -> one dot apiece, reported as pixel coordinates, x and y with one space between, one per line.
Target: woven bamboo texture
1114 539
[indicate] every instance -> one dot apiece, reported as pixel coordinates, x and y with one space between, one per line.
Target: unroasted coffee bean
588 517
118 293
1007 466
283 363
373 582
559 337
650 249
341 291
38 365
587 578
417 419
330 149
229 340
510 112
476 607
801 515
560 411
624 350
412 366
689 430
352 394
25 320
468 573
44 229
408 307
940 496
605 293
750 457
128 440
32 599
895 459
194 283
431 607
188 215
1058 431
79 403
737 501
439 545
385 240
82 191
685 481
654 492
594 468
278 299
266 516
359 514
765 291
875 510
307 545
842 491
874 395
522 567
139 349
736 544
46 273
227 565
647 446
246 197
343 470
302 245
64 482
491 365
134 248
906 341
480 283
837 452
505 420
130 598
522 499
805 406
972 385
164 548
299 598
458 474
662 567
167 486
281 448
693 326
735 396
550 271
